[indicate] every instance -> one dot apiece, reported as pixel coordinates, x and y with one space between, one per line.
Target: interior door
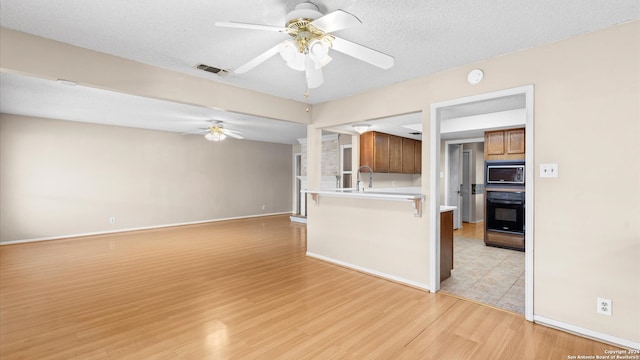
455 182
465 188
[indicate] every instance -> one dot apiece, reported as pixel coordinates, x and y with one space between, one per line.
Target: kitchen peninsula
378 231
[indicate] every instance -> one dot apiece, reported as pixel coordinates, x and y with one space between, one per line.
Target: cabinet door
366 150
381 152
408 154
494 143
515 141
446 244
395 154
417 159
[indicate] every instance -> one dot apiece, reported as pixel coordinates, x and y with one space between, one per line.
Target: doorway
438 114
458 180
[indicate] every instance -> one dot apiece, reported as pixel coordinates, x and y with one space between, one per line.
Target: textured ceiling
424 36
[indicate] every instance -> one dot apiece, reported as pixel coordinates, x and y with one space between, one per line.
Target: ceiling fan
216 132
308 48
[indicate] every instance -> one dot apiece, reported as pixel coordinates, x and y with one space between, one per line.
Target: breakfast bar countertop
383 193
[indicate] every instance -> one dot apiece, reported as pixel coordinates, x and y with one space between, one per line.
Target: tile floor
486 274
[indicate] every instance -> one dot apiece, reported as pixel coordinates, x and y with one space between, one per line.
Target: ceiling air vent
211 69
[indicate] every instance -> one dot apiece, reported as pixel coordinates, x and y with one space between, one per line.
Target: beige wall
62 178
340 227
587 119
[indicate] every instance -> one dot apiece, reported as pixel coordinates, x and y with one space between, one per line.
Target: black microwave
504 172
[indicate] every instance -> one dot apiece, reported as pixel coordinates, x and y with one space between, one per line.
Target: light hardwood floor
471 230
238 289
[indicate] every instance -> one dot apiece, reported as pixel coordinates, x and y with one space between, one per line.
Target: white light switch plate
548 170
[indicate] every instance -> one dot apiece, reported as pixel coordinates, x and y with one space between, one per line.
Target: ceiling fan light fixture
291 55
318 50
361 128
288 50
298 63
217 136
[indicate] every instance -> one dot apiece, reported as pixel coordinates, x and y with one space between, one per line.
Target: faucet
370 177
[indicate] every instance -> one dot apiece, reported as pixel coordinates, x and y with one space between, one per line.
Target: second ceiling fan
308 48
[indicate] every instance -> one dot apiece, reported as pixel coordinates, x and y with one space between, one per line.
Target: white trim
595 335
324 138
469 170
465 141
10 242
434 235
447 188
296 191
369 271
298 219
434 211
341 169
476 221
529 189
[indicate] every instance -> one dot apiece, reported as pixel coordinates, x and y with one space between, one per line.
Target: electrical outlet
604 306
548 170
112 220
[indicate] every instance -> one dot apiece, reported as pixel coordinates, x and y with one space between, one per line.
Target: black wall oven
505 211
505 203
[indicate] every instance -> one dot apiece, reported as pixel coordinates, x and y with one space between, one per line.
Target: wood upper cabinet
374 151
515 141
493 143
504 144
395 154
408 156
380 152
386 153
417 158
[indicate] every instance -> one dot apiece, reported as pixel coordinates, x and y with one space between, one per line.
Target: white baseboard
370 271
298 219
609 339
10 242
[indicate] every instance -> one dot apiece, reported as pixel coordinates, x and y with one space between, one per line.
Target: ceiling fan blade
232 133
258 60
336 20
363 53
239 25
